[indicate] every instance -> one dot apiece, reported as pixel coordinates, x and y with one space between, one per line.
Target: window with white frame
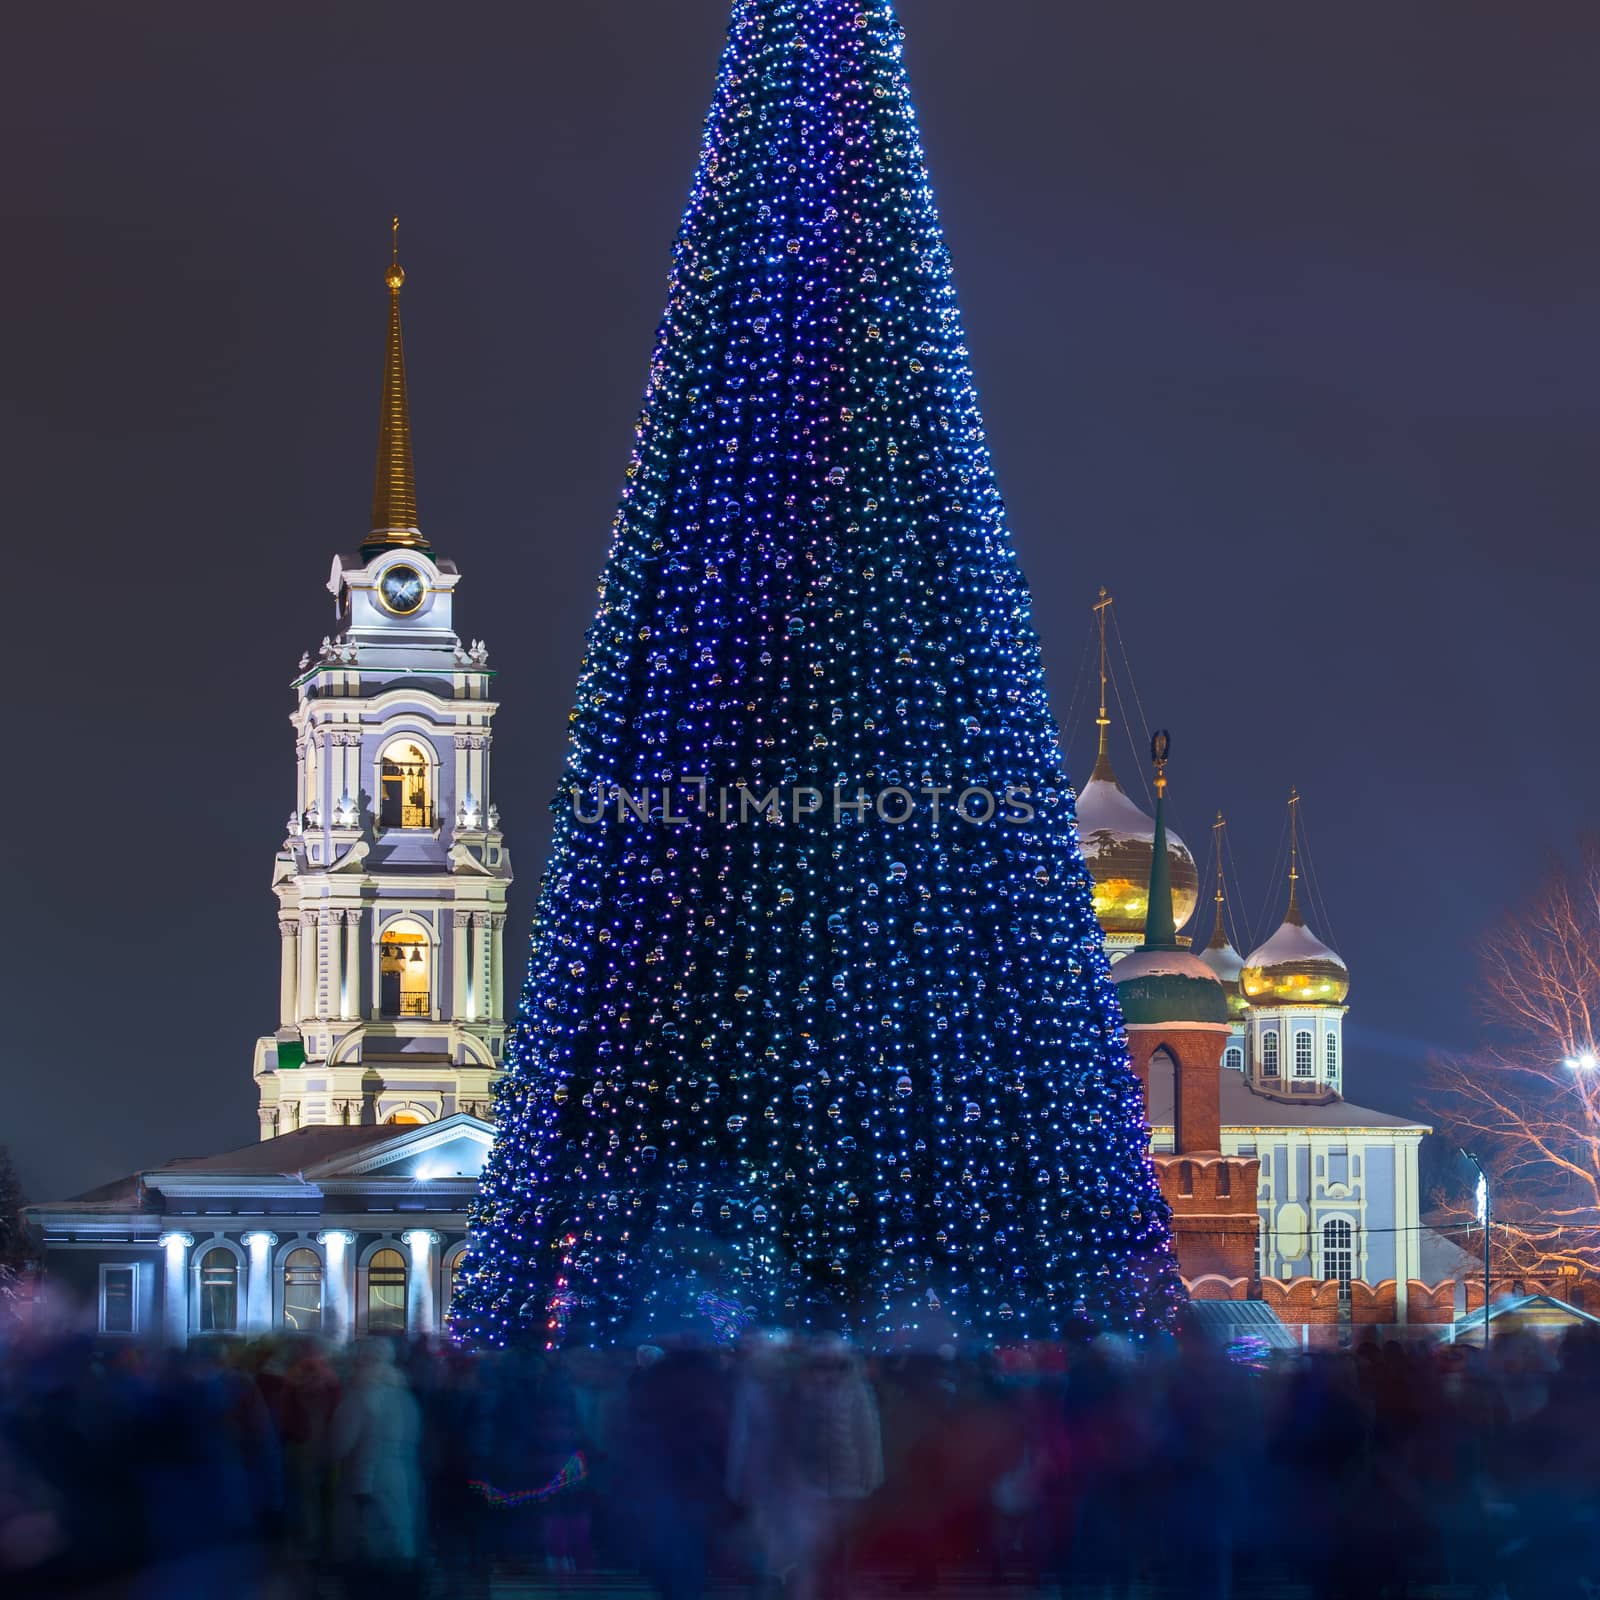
219 1292
1339 1253
1233 1057
1269 1053
1333 1057
386 1293
1303 1063
302 1291
119 1304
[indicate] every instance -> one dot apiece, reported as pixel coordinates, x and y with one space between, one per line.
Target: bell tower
391 882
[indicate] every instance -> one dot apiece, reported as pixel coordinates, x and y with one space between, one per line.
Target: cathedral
1284 1194
375 1089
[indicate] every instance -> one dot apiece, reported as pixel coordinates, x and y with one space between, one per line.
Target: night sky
1285 322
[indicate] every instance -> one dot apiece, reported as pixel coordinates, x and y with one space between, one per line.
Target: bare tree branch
1533 1121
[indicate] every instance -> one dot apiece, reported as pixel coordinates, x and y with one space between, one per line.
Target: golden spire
394 493
1102 761
1293 914
1219 935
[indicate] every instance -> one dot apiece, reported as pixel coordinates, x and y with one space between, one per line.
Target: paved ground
622 1586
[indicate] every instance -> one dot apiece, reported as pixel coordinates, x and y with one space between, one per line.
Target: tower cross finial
1218 934
1160 930
1294 855
394 491
1102 762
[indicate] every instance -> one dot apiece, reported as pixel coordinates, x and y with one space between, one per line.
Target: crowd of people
799 1468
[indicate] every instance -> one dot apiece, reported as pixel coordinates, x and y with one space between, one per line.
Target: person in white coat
375 1445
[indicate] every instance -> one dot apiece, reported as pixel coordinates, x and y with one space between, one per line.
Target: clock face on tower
402 589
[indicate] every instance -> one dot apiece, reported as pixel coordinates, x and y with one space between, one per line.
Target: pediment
455 1147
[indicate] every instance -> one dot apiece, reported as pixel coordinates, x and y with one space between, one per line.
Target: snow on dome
1228 967
1294 967
1225 962
1168 986
1161 964
1118 840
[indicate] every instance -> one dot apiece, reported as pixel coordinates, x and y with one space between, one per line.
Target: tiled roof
1242 1107
287 1156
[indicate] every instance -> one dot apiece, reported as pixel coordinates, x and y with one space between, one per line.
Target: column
497 968
258 1287
333 954
482 960
175 1288
1407 1246
308 965
350 993
338 1313
421 1317
461 922
288 971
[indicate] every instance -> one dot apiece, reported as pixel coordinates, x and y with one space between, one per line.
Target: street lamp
1483 1218
1584 1061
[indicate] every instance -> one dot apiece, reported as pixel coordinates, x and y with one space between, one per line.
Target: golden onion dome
1118 840
1294 967
1228 965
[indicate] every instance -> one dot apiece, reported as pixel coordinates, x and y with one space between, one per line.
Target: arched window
405 785
1233 1057
1333 1057
1269 1053
386 1293
405 985
456 1275
1303 1065
219 1292
1339 1253
302 1291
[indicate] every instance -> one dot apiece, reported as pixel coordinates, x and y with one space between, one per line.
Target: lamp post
1483 1218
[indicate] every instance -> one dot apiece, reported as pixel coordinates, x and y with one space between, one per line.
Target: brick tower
1175 1010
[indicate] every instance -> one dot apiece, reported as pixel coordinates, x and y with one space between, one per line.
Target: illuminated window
1333 1057
1233 1057
404 980
386 1293
118 1308
1269 1054
219 1292
405 776
456 1275
1303 1067
1339 1253
302 1291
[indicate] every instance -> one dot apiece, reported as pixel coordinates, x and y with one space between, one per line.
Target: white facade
391 882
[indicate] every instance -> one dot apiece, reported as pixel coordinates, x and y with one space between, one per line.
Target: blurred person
763 1468
374 1445
837 1445
674 1466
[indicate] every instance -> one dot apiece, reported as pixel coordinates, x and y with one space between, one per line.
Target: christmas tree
817 1028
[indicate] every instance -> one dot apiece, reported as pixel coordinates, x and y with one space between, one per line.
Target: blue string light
815 1068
